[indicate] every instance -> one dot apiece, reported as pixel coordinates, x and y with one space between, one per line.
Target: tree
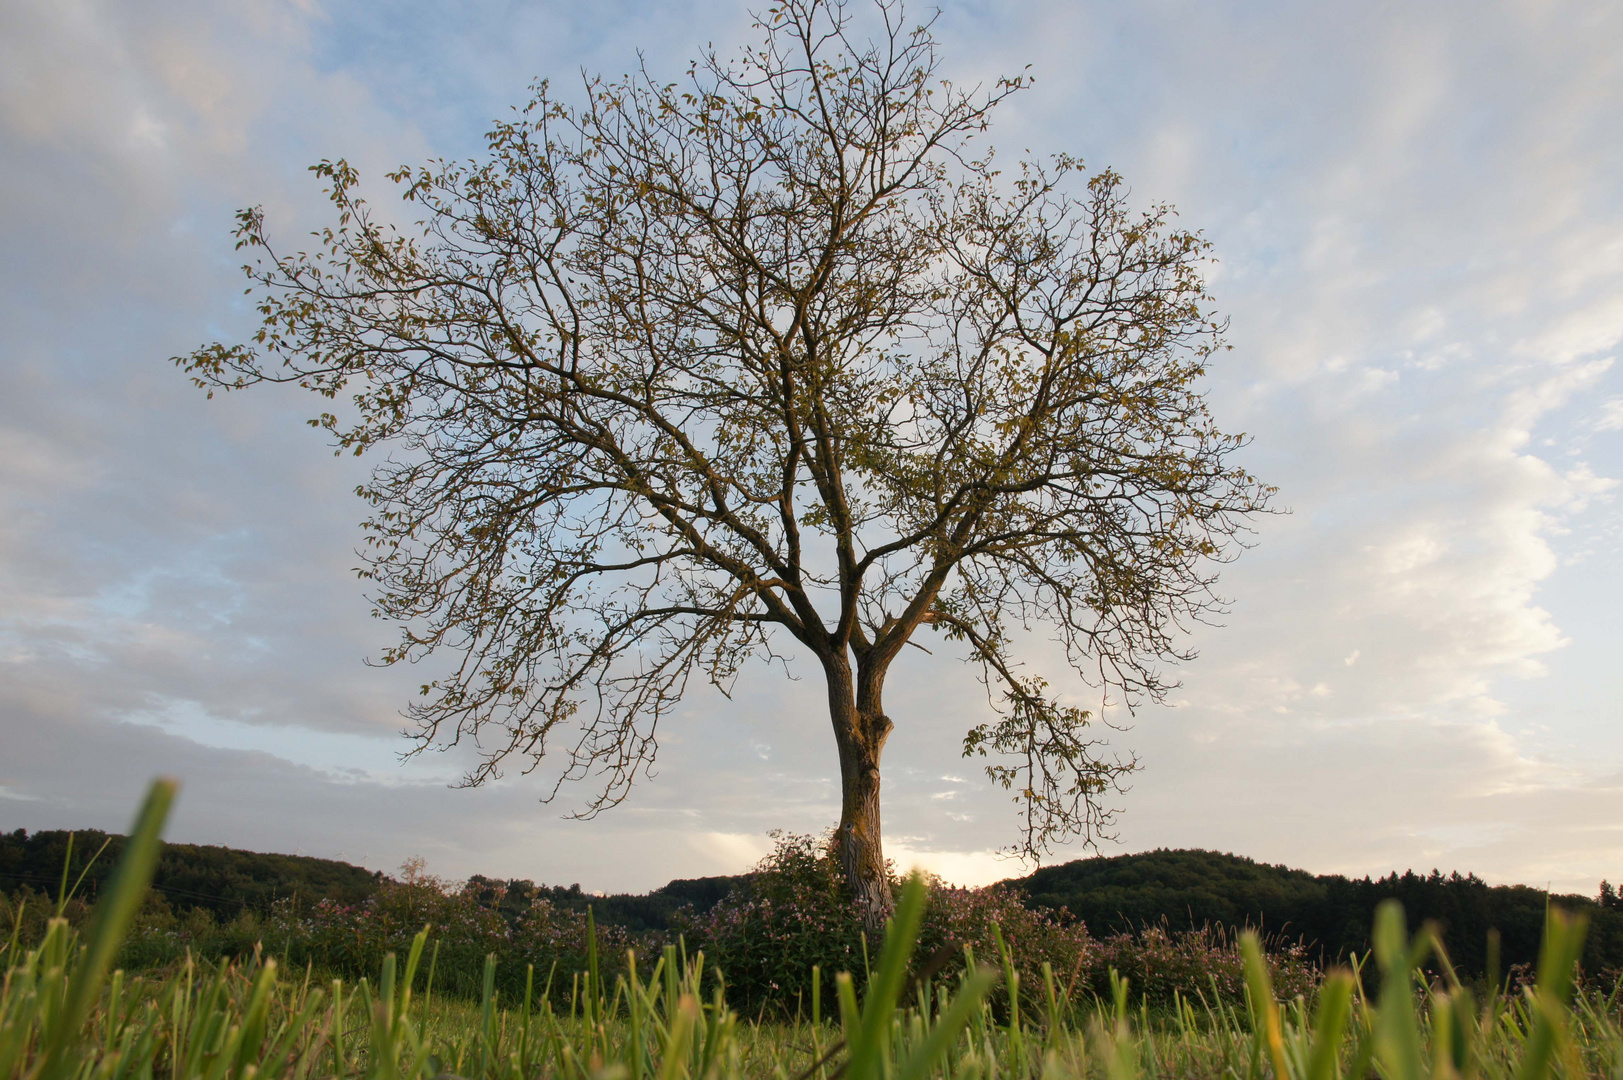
690 371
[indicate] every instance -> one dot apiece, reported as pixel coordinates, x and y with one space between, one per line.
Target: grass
65 1016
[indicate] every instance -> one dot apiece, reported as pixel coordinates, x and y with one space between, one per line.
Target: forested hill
221 879
227 881
1185 888
1181 889
1329 912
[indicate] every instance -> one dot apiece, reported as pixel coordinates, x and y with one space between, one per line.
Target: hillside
227 880
223 880
1328 912
1185 888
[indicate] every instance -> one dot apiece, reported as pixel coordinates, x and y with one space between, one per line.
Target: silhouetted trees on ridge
1178 889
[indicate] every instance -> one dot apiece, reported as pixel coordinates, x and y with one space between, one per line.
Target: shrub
1195 964
556 939
26 910
790 914
466 923
160 936
967 917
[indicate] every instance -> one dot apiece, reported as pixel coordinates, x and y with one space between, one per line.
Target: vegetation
222 880
636 912
64 1013
1330 913
772 358
772 927
1155 914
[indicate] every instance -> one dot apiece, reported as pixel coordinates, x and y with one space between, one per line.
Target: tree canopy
681 374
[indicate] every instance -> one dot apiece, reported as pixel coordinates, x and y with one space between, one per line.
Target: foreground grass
64 1016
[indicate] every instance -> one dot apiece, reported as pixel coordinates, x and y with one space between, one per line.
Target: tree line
1176 889
1330 913
221 880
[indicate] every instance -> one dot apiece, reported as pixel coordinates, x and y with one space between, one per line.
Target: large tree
681 373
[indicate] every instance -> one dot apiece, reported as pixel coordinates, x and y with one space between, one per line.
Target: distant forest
223 880
1177 889
1329 913
226 881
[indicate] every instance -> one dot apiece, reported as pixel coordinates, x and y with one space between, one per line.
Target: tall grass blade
1563 945
114 914
1330 1026
1264 1008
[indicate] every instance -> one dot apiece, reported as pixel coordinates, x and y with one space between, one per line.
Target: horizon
419 866
1418 222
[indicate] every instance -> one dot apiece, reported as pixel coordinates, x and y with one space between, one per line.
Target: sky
1417 212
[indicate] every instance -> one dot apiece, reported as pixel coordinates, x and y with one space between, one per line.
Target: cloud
1611 415
971 868
1594 329
1421 238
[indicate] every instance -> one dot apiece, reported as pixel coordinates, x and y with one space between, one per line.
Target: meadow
915 1009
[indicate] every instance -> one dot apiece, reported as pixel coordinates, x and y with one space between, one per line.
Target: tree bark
860 730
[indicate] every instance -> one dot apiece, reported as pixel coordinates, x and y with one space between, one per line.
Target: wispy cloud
1419 218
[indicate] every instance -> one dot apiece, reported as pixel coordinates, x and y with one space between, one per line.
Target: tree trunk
860 734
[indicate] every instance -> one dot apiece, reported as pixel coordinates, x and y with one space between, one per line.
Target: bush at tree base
792 913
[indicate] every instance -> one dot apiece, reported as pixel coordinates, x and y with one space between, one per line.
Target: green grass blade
1563 945
69 893
113 917
1330 1026
1398 1042
1264 1007
885 988
922 1061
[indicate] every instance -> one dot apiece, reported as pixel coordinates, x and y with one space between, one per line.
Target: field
65 1013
